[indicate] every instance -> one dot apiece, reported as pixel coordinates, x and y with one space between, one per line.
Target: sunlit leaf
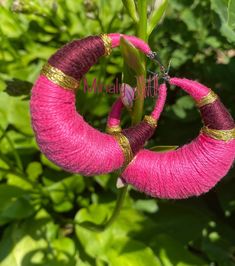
131 9
225 10
15 204
18 87
34 169
163 148
156 16
131 56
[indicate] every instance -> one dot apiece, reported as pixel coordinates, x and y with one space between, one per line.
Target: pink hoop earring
66 139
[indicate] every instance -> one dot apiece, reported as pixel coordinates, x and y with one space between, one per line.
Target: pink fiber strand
115 113
138 43
160 101
193 88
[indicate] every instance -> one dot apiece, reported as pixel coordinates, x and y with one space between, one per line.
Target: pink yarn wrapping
114 117
189 171
64 136
160 101
67 140
195 89
138 43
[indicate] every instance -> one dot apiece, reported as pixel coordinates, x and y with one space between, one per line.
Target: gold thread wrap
150 120
225 135
113 129
126 148
107 43
58 77
209 98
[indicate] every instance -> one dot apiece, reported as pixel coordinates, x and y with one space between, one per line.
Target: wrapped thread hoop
54 90
70 142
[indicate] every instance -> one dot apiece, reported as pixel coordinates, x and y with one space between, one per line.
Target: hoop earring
66 139
62 134
196 167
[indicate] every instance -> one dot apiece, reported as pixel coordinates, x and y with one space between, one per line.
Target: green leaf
14 204
23 144
64 246
231 14
182 105
163 148
62 193
218 242
97 214
148 205
156 16
225 10
4 166
19 181
30 243
226 197
102 180
130 252
16 112
128 221
34 170
172 253
8 23
184 215
190 19
48 163
17 241
131 56
113 245
131 9
17 87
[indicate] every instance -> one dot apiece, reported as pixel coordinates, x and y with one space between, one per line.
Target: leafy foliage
42 208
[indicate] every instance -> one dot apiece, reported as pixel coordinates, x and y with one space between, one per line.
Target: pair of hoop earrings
70 142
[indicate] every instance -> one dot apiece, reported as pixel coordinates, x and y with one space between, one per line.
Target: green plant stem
136 115
142 25
120 200
142 34
15 153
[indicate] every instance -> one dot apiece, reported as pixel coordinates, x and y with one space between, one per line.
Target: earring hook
154 56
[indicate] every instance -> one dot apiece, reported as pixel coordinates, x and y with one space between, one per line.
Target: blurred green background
41 206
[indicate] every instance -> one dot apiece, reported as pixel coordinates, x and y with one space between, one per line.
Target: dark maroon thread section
216 116
138 135
77 57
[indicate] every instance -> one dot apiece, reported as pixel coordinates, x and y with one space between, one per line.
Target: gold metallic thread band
107 43
209 98
125 146
113 129
150 120
224 135
58 77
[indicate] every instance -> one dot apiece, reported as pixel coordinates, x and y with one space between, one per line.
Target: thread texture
76 58
64 136
139 44
189 171
114 117
216 116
